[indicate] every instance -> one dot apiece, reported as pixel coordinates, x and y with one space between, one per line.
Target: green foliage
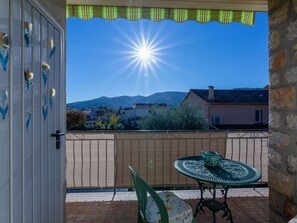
184 117
75 120
108 120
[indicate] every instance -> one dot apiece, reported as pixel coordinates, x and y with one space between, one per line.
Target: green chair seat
164 207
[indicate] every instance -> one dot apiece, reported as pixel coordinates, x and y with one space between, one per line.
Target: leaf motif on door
45 68
4 50
44 112
52 46
4 58
4 111
28 33
44 108
4 107
28 119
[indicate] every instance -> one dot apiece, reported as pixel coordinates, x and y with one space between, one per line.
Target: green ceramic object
211 158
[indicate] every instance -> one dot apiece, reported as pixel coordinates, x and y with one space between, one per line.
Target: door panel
27 102
4 121
51 127
31 169
44 128
36 117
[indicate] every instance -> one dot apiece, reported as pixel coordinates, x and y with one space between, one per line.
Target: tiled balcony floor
247 206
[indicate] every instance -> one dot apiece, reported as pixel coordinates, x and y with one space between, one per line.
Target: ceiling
245 5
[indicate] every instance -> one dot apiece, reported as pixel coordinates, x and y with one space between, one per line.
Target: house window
216 119
258 116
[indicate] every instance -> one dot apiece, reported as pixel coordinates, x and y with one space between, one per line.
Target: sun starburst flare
144 53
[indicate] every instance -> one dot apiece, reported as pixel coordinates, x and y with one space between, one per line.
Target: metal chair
164 207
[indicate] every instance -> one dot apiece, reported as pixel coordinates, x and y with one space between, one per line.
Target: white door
32 108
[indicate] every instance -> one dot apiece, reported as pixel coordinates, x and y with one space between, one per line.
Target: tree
75 120
184 117
114 122
109 120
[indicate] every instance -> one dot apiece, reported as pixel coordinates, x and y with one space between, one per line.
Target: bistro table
228 173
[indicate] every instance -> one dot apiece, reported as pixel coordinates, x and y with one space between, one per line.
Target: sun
144 53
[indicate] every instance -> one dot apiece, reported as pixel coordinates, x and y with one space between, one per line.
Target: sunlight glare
144 53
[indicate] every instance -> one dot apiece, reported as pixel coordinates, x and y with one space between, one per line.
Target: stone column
283 109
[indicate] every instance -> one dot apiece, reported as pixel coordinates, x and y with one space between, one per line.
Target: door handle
58 135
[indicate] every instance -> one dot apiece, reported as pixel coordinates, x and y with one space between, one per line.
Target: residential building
138 111
236 108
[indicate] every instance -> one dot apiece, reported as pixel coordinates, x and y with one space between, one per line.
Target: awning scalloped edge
160 14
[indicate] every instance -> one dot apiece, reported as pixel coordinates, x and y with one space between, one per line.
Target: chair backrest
142 190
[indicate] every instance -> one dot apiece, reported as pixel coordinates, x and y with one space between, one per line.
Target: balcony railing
100 160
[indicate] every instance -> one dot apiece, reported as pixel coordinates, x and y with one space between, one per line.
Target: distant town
217 109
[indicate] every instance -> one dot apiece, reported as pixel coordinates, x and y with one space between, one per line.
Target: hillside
172 99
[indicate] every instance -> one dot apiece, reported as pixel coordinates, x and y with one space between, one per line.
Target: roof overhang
245 5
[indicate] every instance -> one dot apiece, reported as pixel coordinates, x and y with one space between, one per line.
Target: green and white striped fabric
159 14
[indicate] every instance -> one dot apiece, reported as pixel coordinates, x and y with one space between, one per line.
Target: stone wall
283 109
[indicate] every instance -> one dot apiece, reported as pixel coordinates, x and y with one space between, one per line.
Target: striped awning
159 14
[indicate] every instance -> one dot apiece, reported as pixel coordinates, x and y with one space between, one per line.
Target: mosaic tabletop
228 172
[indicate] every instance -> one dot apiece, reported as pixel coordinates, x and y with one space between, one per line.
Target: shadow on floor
244 210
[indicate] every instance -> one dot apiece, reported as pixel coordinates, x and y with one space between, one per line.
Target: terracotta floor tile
244 210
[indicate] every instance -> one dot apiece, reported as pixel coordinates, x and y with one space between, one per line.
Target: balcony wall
100 160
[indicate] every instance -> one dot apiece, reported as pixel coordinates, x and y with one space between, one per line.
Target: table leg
212 204
201 202
227 212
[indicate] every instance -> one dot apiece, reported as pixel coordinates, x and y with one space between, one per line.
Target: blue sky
186 56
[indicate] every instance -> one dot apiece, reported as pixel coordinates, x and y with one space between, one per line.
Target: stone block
276 218
273 40
278 60
291 75
279 140
279 15
281 182
275 79
274 4
292 165
284 97
275 120
276 201
295 51
290 209
275 157
291 122
295 10
292 31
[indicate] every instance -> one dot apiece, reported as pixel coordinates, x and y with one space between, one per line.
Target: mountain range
172 99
